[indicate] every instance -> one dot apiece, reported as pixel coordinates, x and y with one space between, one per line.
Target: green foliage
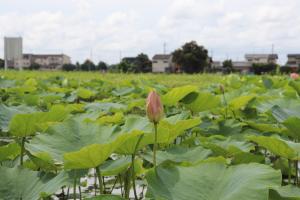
34 66
191 57
238 142
227 66
68 67
260 68
212 181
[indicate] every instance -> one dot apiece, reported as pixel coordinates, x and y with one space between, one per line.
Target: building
242 66
14 57
46 61
261 58
13 52
293 61
217 66
162 63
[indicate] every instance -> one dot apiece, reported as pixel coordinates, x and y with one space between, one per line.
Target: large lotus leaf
176 94
9 151
227 147
19 183
93 155
6 113
114 167
168 130
212 181
111 119
108 107
241 102
288 192
28 124
80 145
281 114
85 93
265 128
204 102
123 91
274 145
180 154
245 157
293 126
295 85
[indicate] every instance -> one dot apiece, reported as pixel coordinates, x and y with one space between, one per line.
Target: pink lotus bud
294 76
154 107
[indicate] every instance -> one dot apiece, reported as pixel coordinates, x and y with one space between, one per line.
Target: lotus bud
154 107
294 76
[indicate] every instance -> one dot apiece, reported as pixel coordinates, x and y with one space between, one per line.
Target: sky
108 30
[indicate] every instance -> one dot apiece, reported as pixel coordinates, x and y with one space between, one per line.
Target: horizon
107 31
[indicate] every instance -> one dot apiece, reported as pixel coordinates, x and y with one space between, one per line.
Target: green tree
191 57
142 64
262 68
88 65
102 66
125 67
68 67
34 66
1 63
227 66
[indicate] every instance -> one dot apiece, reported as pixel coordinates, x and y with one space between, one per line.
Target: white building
293 60
242 66
162 63
261 58
46 61
13 52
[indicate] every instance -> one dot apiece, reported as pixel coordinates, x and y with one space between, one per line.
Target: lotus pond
87 136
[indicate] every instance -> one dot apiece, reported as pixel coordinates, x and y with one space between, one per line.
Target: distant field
201 80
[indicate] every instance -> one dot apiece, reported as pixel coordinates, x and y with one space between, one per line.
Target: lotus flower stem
132 166
296 176
289 176
22 150
155 144
74 185
100 180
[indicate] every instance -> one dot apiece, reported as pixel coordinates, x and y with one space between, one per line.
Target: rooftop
274 56
162 57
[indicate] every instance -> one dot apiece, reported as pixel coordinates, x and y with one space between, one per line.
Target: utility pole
165 48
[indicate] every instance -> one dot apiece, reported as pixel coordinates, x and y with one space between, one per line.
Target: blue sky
102 29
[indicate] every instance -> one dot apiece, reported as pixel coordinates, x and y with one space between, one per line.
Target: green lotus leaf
168 130
212 181
6 113
274 145
288 192
293 126
9 151
19 183
176 94
79 145
85 93
241 102
22 125
180 154
204 102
